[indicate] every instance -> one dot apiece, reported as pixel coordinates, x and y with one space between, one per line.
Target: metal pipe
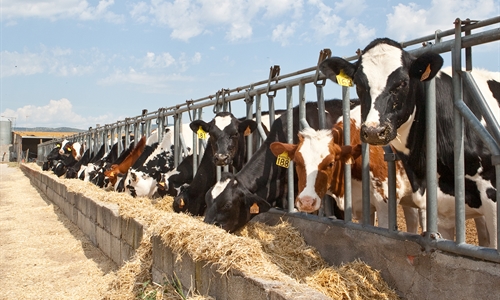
459 170
346 118
289 131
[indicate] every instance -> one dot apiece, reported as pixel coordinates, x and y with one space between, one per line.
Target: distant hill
47 129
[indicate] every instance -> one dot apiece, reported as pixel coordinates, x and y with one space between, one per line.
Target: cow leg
482 232
411 218
422 216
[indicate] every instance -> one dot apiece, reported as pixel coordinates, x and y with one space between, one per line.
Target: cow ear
278 147
349 153
426 66
255 205
335 66
196 124
247 127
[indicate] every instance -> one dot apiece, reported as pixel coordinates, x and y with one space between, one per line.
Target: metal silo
5 133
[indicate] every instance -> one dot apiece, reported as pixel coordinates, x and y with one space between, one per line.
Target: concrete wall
414 272
118 238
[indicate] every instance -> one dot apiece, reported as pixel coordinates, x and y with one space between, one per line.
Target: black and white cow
171 182
390 84
261 184
226 146
53 156
143 180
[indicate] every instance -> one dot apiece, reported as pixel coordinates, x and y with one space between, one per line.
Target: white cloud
60 9
162 60
188 19
351 7
57 113
413 20
282 33
145 82
56 61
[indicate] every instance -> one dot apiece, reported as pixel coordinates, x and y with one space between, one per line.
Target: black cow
390 84
171 181
226 146
53 157
261 184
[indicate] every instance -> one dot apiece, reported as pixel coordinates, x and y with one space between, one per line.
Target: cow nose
221 159
375 135
306 204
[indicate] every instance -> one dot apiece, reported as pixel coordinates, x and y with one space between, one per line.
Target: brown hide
123 167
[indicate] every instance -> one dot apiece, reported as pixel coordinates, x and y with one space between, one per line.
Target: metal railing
251 95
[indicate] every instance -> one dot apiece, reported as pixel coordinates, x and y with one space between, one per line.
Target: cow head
181 199
65 148
77 150
230 205
318 162
226 134
386 79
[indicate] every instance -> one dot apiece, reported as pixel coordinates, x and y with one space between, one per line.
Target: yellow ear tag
69 149
201 134
58 145
254 209
343 79
283 160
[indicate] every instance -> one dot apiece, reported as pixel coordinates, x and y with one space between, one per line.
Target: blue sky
80 63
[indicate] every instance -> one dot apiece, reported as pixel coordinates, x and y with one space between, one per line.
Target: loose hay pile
268 252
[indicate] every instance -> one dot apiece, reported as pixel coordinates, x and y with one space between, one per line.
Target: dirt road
43 255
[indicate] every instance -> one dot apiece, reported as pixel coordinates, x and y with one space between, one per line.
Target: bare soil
43 255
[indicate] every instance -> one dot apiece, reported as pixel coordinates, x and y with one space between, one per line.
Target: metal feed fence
251 97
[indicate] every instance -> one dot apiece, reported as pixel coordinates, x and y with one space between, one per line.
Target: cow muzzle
376 135
307 204
222 159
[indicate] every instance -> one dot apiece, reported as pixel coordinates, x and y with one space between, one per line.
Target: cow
143 180
261 184
122 167
53 156
390 83
73 171
171 182
226 146
319 158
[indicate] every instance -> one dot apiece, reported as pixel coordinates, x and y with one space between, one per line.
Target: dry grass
268 252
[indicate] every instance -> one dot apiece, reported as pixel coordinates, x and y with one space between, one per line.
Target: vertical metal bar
390 157
458 144
365 176
258 119
249 108
302 107
177 144
321 106
468 51
346 118
431 156
270 101
289 131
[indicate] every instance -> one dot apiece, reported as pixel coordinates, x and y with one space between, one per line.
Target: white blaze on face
378 63
219 187
313 150
222 122
78 149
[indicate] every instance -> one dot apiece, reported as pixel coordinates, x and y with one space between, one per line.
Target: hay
288 250
267 252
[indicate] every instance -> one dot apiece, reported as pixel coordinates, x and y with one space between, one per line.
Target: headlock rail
251 96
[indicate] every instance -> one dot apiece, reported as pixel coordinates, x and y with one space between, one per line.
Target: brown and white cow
319 159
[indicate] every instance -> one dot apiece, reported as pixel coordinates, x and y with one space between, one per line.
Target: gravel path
43 255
